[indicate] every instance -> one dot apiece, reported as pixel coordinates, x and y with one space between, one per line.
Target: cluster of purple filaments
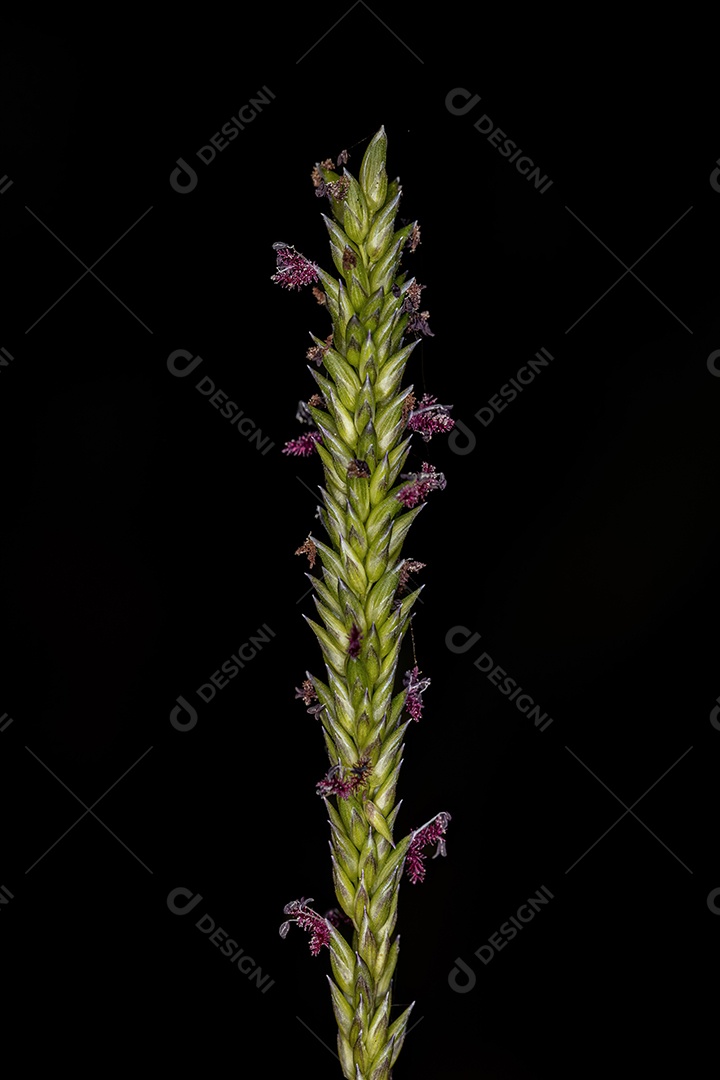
432 833
293 269
430 418
421 484
307 919
416 687
344 782
304 445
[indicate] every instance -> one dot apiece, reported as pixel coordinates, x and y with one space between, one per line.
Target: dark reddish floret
354 641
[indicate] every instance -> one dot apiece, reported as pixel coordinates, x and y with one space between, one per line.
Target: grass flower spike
363 422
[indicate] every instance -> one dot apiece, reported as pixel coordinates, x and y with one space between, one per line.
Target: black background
144 541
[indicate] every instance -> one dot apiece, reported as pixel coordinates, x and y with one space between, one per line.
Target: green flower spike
362 423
